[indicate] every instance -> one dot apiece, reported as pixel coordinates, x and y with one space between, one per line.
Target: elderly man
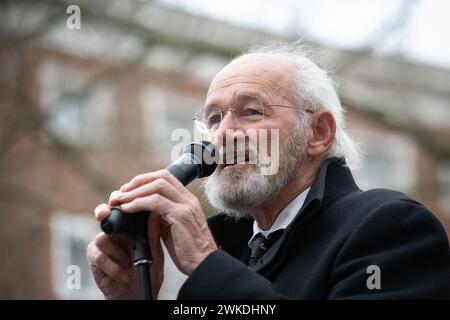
306 232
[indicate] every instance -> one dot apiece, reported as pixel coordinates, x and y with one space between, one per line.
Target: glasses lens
251 112
201 126
213 118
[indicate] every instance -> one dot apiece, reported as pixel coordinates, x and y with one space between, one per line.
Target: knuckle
99 259
164 173
194 202
156 198
186 209
100 238
161 183
116 272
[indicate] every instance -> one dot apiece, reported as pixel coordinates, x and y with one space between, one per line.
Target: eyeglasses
209 119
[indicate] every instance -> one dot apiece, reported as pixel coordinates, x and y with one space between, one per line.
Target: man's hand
110 259
176 217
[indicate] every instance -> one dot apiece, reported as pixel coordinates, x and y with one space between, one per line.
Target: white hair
315 89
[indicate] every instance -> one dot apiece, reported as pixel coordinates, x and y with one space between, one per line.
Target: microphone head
206 155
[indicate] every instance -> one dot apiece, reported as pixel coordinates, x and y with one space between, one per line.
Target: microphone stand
142 255
135 227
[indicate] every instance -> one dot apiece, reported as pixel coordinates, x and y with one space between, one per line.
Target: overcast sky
420 31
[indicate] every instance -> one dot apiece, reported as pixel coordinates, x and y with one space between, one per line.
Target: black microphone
198 160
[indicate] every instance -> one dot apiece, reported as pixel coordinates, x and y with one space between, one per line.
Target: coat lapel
333 180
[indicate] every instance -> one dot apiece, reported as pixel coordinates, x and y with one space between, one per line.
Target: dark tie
261 245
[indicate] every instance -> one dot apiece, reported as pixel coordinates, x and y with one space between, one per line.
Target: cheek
216 139
280 134
266 137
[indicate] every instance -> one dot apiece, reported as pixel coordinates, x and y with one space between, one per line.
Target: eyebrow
249 96
241 96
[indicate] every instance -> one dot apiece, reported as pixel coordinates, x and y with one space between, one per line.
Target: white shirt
284 219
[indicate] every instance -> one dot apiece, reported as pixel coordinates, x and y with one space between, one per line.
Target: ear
322 132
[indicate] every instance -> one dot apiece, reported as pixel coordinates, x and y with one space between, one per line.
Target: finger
102 211
115 252
149 177
99 275
104 263
160 186
140 180
155 203
114 198
178 185
123 241
174 181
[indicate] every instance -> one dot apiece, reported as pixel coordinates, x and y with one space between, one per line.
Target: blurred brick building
83 111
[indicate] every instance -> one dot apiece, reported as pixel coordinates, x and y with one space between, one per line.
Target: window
70 234
164 111
389 161
75 115
66 119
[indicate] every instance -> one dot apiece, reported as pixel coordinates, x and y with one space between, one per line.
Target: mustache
237 152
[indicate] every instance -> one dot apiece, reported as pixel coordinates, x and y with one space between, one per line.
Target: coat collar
333 181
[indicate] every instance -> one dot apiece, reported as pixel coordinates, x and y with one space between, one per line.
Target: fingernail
123 187
125 278
114 195
98 212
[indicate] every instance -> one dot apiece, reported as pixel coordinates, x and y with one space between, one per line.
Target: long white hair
315 89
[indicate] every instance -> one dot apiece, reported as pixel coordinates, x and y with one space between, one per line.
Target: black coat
324 254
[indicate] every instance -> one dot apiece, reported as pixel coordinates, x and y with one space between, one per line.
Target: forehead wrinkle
268 93
242 94
269 84
264 75
265 86
272 83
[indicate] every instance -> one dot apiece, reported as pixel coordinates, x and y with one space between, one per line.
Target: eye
252 110
214 119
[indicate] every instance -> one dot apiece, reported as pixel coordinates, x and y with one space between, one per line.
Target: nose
229 129
229 121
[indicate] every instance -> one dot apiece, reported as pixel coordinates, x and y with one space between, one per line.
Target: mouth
226 165
237 159
236 153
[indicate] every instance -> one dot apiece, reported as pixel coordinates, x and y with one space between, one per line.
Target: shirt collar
283 220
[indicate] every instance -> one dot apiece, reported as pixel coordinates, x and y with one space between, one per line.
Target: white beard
237 190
